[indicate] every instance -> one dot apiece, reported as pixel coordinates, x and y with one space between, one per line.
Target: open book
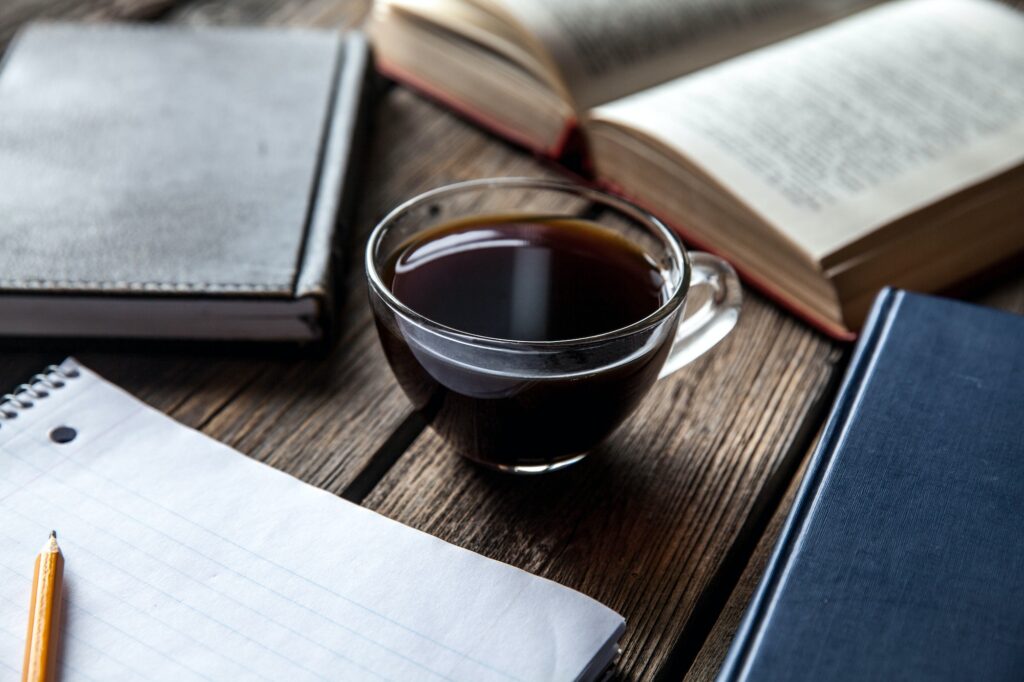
827 148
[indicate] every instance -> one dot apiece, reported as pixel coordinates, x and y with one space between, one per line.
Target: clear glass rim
671 239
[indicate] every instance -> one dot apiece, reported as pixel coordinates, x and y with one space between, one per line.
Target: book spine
319 270
745 642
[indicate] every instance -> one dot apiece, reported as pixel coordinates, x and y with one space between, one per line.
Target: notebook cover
178 162
903 555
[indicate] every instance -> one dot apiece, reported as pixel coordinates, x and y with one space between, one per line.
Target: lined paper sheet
186 560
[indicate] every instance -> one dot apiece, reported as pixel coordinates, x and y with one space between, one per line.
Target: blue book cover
903 555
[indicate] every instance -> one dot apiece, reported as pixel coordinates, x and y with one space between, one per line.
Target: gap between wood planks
723 582
384 458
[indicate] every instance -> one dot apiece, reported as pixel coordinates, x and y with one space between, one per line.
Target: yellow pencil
44 614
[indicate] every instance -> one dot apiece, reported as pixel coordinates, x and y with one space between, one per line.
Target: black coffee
542 280
528 281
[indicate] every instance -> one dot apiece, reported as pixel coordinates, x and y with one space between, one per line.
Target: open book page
185 560
605 49
834 133
476 21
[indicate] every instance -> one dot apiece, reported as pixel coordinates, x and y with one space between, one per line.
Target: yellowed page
479 24
605 49
835 133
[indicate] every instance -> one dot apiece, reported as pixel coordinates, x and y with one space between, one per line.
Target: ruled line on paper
18 489
203 614
187 547
20 640
78 640
43 442
79 549
106 480
132 637
70 545
305 579
68 461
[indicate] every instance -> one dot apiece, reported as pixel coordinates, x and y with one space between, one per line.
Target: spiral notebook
186 560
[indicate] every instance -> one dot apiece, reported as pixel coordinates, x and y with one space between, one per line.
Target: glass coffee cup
532 406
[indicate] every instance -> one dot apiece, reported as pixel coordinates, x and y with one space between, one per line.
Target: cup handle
700 331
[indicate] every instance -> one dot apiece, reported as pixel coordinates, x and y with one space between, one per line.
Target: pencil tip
51 543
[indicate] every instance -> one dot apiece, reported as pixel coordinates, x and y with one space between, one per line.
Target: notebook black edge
756 616
329 229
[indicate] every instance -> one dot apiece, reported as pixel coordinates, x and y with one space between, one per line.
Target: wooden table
670 523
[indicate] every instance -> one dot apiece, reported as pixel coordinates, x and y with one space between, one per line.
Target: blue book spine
877 325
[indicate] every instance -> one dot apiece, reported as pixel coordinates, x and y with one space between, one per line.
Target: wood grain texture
14 13
321 13
709 660
642 524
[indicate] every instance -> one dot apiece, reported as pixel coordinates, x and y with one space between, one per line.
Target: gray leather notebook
175 182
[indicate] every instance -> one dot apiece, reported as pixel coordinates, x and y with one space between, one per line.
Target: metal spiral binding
38 387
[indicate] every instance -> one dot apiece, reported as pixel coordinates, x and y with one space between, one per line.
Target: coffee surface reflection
541 280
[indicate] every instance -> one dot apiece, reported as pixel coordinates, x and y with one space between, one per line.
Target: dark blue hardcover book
903 556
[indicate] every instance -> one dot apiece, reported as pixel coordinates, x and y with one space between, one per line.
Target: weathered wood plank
14 13
709 660
190 388
321 13
642 525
